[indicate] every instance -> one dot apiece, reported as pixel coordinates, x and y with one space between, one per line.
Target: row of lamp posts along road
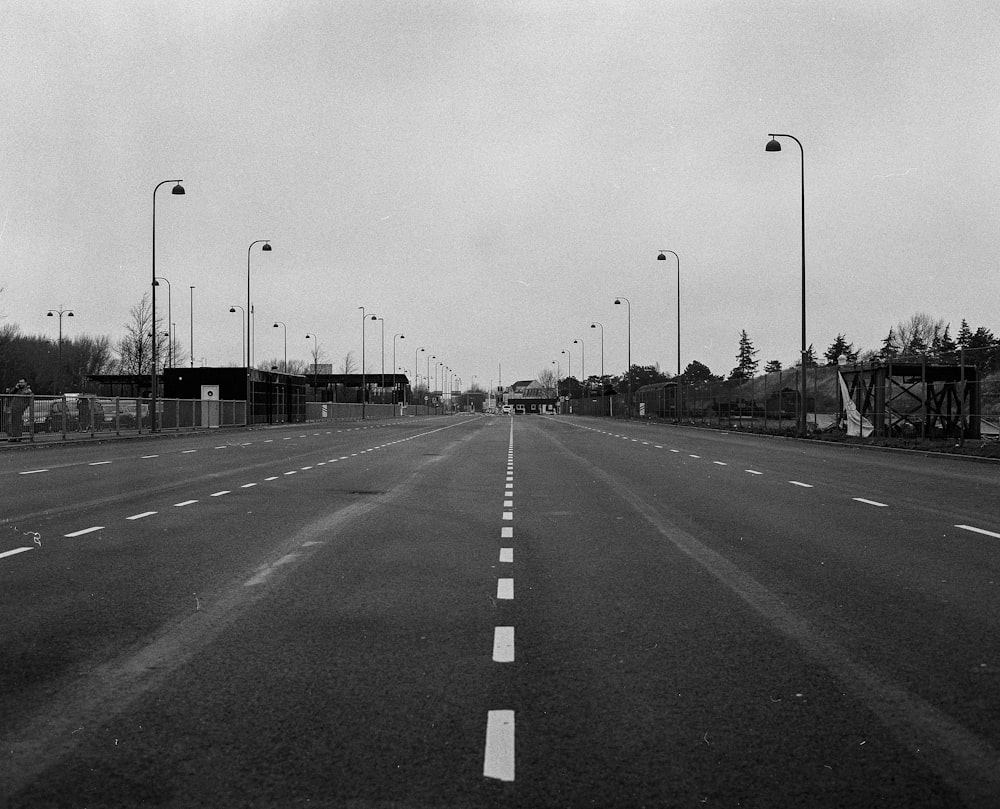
772 146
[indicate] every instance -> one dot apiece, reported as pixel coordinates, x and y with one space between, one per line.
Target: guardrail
35 418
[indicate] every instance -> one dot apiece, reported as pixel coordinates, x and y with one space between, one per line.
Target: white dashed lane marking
875 503
83 531
14 552
499 759
503 644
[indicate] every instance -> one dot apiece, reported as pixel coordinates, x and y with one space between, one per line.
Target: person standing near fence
19 402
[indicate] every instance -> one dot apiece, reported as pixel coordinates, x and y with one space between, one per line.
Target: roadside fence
953 395
38 418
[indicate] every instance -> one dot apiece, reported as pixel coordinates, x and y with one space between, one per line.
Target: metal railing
37 418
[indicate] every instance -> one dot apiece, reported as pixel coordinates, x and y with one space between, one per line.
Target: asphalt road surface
486 611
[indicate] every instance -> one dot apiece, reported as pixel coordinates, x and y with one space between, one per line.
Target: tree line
919 335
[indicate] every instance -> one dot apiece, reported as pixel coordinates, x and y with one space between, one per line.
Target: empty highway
499 612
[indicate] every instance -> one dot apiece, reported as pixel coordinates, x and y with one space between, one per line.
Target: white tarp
856 423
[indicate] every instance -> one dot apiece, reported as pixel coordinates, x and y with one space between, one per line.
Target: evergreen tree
772 367
890 345
947 345
982 338
838 347
964 335
811 357
746 359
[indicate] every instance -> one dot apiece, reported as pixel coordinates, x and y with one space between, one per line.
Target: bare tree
348 365
916 334
547 379
135 350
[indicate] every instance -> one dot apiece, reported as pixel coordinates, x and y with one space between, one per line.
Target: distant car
506 410
75 413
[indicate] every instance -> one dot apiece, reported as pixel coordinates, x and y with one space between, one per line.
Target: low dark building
276 397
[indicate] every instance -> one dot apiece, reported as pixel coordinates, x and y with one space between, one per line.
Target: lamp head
275 326
618 301
772 145
50 314
232 308
178 189
69 314
661 257
267 247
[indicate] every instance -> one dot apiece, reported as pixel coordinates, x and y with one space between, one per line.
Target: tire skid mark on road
962 758
107 690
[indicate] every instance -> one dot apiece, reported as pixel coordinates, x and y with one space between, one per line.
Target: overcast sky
488 176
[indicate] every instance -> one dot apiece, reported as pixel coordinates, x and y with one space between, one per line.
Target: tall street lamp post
285 329
315 359
192 325
774 146
178 190
382 321
569 369
52 313
243 329
394 337
583 360
364 387
427 399
662 257
594 325
266 248
170 309
416 371
628 304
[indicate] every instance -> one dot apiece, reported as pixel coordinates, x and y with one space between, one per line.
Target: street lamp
583 360
315 360
52 313
594 325
177 190
628 303
416 371
283 326
382 321
364 389
192 325
266 248
774 146
662 257
243 331
569 369
428 379
401 337
170 309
